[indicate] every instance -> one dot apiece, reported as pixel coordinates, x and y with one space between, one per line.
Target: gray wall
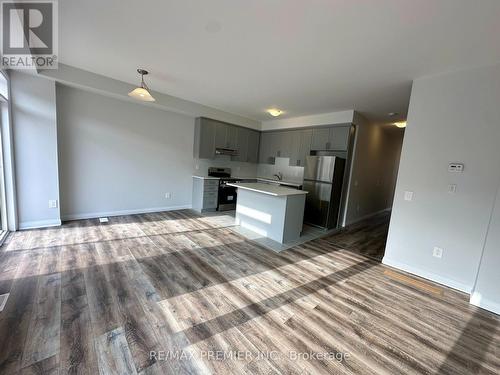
35 149
374 170
487 291
452 118
121 157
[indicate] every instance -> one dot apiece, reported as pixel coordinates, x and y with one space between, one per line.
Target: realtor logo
29 34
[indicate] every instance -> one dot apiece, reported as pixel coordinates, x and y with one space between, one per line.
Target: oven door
227 198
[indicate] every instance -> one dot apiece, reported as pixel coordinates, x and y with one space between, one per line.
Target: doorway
374 183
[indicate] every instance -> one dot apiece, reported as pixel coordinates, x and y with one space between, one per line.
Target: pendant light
142 92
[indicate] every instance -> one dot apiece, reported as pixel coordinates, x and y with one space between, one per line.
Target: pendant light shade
142 92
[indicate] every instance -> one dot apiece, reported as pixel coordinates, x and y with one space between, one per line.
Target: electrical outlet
452 188
408 195
168 195
455 167
437 252
53 203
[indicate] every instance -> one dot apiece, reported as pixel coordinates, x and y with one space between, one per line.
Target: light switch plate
53 203
408 195
452 188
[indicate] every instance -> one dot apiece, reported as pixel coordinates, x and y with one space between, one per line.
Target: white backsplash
291 174
240 169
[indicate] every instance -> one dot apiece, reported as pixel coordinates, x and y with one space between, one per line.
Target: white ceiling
303 56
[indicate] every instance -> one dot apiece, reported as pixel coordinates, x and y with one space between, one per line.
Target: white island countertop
269 189
206 177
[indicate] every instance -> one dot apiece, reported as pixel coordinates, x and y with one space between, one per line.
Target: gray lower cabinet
205 194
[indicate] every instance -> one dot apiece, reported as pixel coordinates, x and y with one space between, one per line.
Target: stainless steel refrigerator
323 180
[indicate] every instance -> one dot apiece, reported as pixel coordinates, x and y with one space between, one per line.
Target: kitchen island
270 210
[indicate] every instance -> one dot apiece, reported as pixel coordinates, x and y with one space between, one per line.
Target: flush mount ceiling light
392 114
275 112
400 124
142 92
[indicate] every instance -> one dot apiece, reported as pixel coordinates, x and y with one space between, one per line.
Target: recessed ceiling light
275 112
392 114
400 124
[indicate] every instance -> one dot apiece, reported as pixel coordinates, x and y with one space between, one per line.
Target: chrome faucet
279 176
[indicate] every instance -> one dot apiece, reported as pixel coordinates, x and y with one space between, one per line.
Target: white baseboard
365 217
428 275
478 300
93 215
39 224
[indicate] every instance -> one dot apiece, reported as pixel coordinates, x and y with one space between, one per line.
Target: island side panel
261 213
294 217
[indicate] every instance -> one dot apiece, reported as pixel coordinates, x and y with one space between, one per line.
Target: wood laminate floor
367 237
89 298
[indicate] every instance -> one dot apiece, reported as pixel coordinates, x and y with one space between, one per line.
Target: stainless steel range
227 194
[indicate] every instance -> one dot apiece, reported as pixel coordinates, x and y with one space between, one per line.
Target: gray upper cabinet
241 145
232 136
221 135
339 137
335 138
300 147
204 139
212 134
305 137
292 144
272 145
253 146
320 139
264 147
284 144
265 153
